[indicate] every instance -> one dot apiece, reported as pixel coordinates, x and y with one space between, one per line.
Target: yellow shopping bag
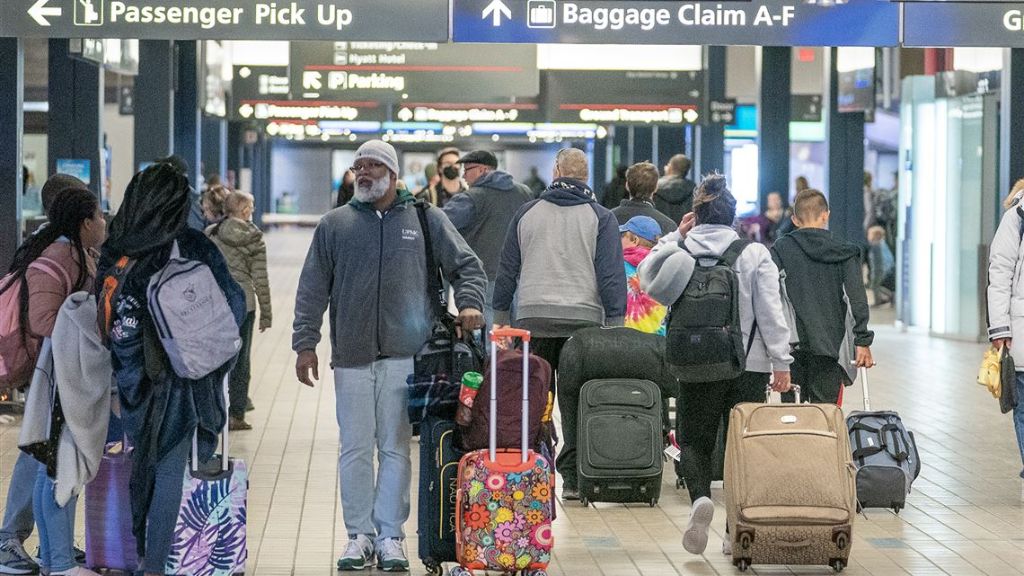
989 374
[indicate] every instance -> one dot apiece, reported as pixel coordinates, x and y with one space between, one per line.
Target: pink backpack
17 354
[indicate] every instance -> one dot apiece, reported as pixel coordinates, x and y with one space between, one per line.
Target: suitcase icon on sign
540 14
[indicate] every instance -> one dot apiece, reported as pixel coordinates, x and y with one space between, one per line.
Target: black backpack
704 340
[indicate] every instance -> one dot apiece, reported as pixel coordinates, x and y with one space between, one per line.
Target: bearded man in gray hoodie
705 235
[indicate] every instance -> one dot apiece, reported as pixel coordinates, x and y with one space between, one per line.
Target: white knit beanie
381 152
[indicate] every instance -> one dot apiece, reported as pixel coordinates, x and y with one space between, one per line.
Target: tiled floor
964 517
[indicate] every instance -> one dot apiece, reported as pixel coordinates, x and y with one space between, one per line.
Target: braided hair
75 206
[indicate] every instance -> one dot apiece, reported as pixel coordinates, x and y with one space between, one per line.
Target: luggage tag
672 451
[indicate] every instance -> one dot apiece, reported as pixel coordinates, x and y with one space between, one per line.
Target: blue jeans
18 518
372 410
1018 416
56 525
169 483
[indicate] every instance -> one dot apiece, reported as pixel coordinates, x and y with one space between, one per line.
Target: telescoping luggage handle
224 444
497 335
864 386
795 388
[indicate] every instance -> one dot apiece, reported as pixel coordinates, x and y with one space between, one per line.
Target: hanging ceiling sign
423 20
413 71
984 25
755 23
621 97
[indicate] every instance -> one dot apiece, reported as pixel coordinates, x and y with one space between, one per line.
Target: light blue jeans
1018 416
56 525
18 519
372 409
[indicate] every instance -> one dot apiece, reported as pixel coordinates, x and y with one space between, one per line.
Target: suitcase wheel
584 501
838 565
654 502
434 569
743 564
459 571
680 483
535 573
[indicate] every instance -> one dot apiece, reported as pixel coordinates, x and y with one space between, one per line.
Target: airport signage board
419 20
520 112
623 97
971 24
413 71
755 23
312 112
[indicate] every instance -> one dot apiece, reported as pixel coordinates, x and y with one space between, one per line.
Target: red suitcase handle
500 333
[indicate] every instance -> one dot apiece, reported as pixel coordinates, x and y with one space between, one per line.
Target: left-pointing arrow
39 11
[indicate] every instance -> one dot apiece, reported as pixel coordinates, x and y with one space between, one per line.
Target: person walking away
367 266
641 182
674 195
882 265
213 204
47 268
241 243
615 190
562 260
482 213
643 313
535 183
822 275
708 235
160 410
1005 286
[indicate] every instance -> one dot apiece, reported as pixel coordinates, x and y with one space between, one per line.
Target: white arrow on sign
405 114
311 80
246 110
40 10
495 9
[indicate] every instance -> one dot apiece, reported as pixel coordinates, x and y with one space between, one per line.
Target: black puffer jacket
674 197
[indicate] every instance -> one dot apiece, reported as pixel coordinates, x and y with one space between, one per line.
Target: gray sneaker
358 553
391 555
15 560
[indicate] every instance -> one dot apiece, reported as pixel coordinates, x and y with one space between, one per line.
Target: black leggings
704 406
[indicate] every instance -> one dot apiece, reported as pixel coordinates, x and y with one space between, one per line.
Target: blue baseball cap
643 226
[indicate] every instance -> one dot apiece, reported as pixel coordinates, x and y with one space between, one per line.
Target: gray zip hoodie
665 273
370 268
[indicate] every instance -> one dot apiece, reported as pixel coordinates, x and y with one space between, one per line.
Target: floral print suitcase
505 498
209 537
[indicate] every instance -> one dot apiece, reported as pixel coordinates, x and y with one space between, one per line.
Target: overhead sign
260 83
311 112
413 71
619 97
424 20
462 114
721 112
756 23
971 24
805 108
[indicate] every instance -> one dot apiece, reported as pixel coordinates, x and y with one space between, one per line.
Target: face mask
374 192
451 172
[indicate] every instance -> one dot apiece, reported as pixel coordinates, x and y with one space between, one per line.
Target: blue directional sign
756 23
970 24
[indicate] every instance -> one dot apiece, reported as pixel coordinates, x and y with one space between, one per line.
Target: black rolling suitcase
620 441
440 452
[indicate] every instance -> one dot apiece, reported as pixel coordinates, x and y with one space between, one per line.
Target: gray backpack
193 319
885 455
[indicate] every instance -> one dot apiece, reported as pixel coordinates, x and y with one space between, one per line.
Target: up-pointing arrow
495 9
40 10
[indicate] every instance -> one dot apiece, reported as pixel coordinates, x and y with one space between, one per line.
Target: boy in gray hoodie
664 275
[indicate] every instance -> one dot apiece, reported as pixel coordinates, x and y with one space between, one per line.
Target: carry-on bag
884 454
505 498
510 366
210 535
789 485
440 452
611 470
109 542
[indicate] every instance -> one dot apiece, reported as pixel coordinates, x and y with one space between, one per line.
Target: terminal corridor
964 517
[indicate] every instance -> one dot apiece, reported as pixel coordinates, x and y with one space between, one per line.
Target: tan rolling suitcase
789 485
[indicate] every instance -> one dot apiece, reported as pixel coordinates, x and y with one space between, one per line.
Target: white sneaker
727 545
391 555
76 571
695 539
357 554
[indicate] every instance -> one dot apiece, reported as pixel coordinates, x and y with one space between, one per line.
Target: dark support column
154 101
620 155
600 166
643 144
1012 119
235 150
76 107
845 166
12 66
215 147
671 141
712 137
773 127
261 154
187 113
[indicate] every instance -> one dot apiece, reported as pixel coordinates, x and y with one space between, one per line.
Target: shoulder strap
1020 213
53 269
435 290
732 253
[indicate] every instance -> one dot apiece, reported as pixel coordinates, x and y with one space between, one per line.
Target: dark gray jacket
630 208
674 197
482 214
370 268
